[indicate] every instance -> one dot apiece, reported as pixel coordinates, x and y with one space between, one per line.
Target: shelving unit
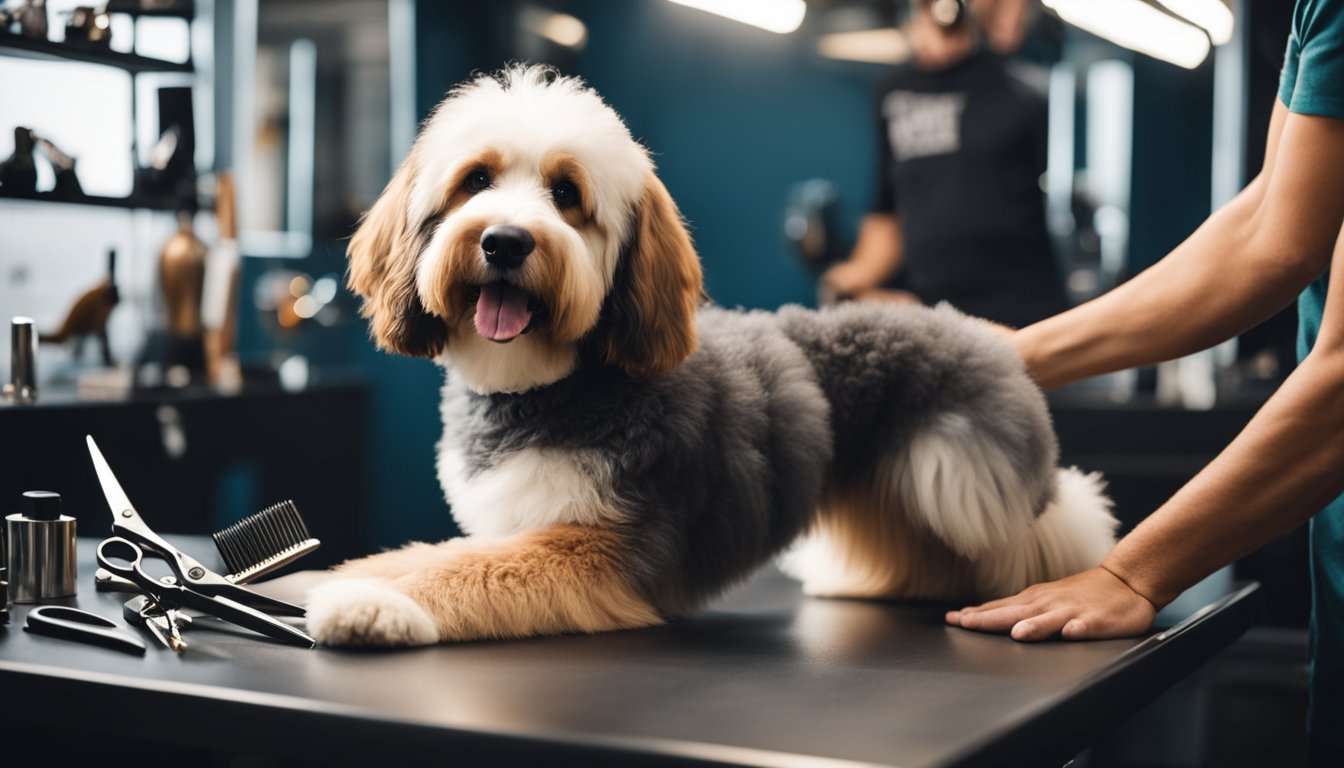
18 46
46 50
157 203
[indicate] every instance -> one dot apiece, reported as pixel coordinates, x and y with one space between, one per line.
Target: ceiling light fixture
778 16
563 29
871 46
1213 15
1138 26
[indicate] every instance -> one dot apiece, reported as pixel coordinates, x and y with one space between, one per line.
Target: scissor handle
121 556
129 525
125 558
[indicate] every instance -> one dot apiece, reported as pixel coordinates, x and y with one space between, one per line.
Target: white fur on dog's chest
525 490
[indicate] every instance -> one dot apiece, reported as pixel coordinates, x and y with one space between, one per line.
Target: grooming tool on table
126 559
251 548
81 626
40 549
190 574
261 543
163 624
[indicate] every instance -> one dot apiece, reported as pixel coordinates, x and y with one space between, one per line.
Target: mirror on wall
313 121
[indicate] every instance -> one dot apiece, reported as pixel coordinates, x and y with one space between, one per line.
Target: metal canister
4 578
40 549
22 387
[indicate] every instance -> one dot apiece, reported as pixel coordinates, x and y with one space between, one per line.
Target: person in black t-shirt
959 214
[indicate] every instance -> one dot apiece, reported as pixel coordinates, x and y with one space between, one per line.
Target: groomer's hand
1092 605
848 278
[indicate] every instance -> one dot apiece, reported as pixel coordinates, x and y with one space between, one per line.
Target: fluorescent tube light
1138 26
1213 15
778 16
873 46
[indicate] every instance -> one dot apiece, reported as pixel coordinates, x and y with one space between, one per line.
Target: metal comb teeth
261 543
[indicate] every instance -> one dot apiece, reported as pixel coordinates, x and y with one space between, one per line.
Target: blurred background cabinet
194 461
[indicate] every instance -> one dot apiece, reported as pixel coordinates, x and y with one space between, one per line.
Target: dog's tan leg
863 545
395 563
556 580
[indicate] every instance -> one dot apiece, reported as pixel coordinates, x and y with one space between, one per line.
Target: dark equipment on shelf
18 173
89 26
31 18
63 165
171 186
172 165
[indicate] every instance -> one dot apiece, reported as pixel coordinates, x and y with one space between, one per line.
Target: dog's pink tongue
501 312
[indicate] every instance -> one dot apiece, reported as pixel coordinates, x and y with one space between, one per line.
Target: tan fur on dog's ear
383 253
651 312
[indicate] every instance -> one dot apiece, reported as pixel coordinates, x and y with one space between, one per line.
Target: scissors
81 626
163 624
125 558
190 573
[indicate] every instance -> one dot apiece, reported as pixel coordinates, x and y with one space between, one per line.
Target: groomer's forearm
879 250
1222 280
1283 468
1247 261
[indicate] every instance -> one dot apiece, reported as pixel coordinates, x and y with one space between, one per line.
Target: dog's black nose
505 246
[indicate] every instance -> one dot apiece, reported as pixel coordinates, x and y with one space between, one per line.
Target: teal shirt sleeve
1312 81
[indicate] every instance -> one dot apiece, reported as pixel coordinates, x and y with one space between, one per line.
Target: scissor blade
248 618
245 596
112 491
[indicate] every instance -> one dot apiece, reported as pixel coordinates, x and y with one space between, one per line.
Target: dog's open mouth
504 311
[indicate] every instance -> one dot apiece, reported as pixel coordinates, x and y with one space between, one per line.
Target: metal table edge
215 717
1102 695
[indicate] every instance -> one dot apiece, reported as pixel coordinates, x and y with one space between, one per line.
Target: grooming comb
261 543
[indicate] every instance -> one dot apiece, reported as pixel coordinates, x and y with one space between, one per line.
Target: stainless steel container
4 578
40 550
23 361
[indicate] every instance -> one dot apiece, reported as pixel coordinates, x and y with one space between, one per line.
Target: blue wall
1173 157
734 116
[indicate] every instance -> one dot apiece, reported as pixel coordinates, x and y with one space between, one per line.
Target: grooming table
764 677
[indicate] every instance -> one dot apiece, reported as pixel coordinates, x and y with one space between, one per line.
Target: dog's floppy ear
383 253
651 311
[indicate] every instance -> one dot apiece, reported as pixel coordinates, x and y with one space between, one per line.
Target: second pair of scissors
126 559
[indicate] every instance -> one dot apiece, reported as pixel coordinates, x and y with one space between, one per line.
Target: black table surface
764 676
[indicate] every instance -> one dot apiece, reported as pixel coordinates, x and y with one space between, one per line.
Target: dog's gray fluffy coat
722 462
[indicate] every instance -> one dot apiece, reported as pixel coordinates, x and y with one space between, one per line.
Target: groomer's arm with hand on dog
1247 261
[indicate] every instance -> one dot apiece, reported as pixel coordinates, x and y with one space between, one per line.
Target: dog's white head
525 222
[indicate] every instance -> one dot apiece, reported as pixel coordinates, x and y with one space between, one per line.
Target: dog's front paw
367 612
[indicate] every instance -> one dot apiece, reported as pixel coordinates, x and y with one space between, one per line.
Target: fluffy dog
617 454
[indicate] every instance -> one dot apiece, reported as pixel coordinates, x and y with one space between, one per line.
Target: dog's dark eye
565 194
478 180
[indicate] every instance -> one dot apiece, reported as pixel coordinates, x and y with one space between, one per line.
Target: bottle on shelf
182 281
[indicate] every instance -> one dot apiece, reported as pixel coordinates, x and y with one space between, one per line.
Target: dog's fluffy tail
1074 533
860 547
